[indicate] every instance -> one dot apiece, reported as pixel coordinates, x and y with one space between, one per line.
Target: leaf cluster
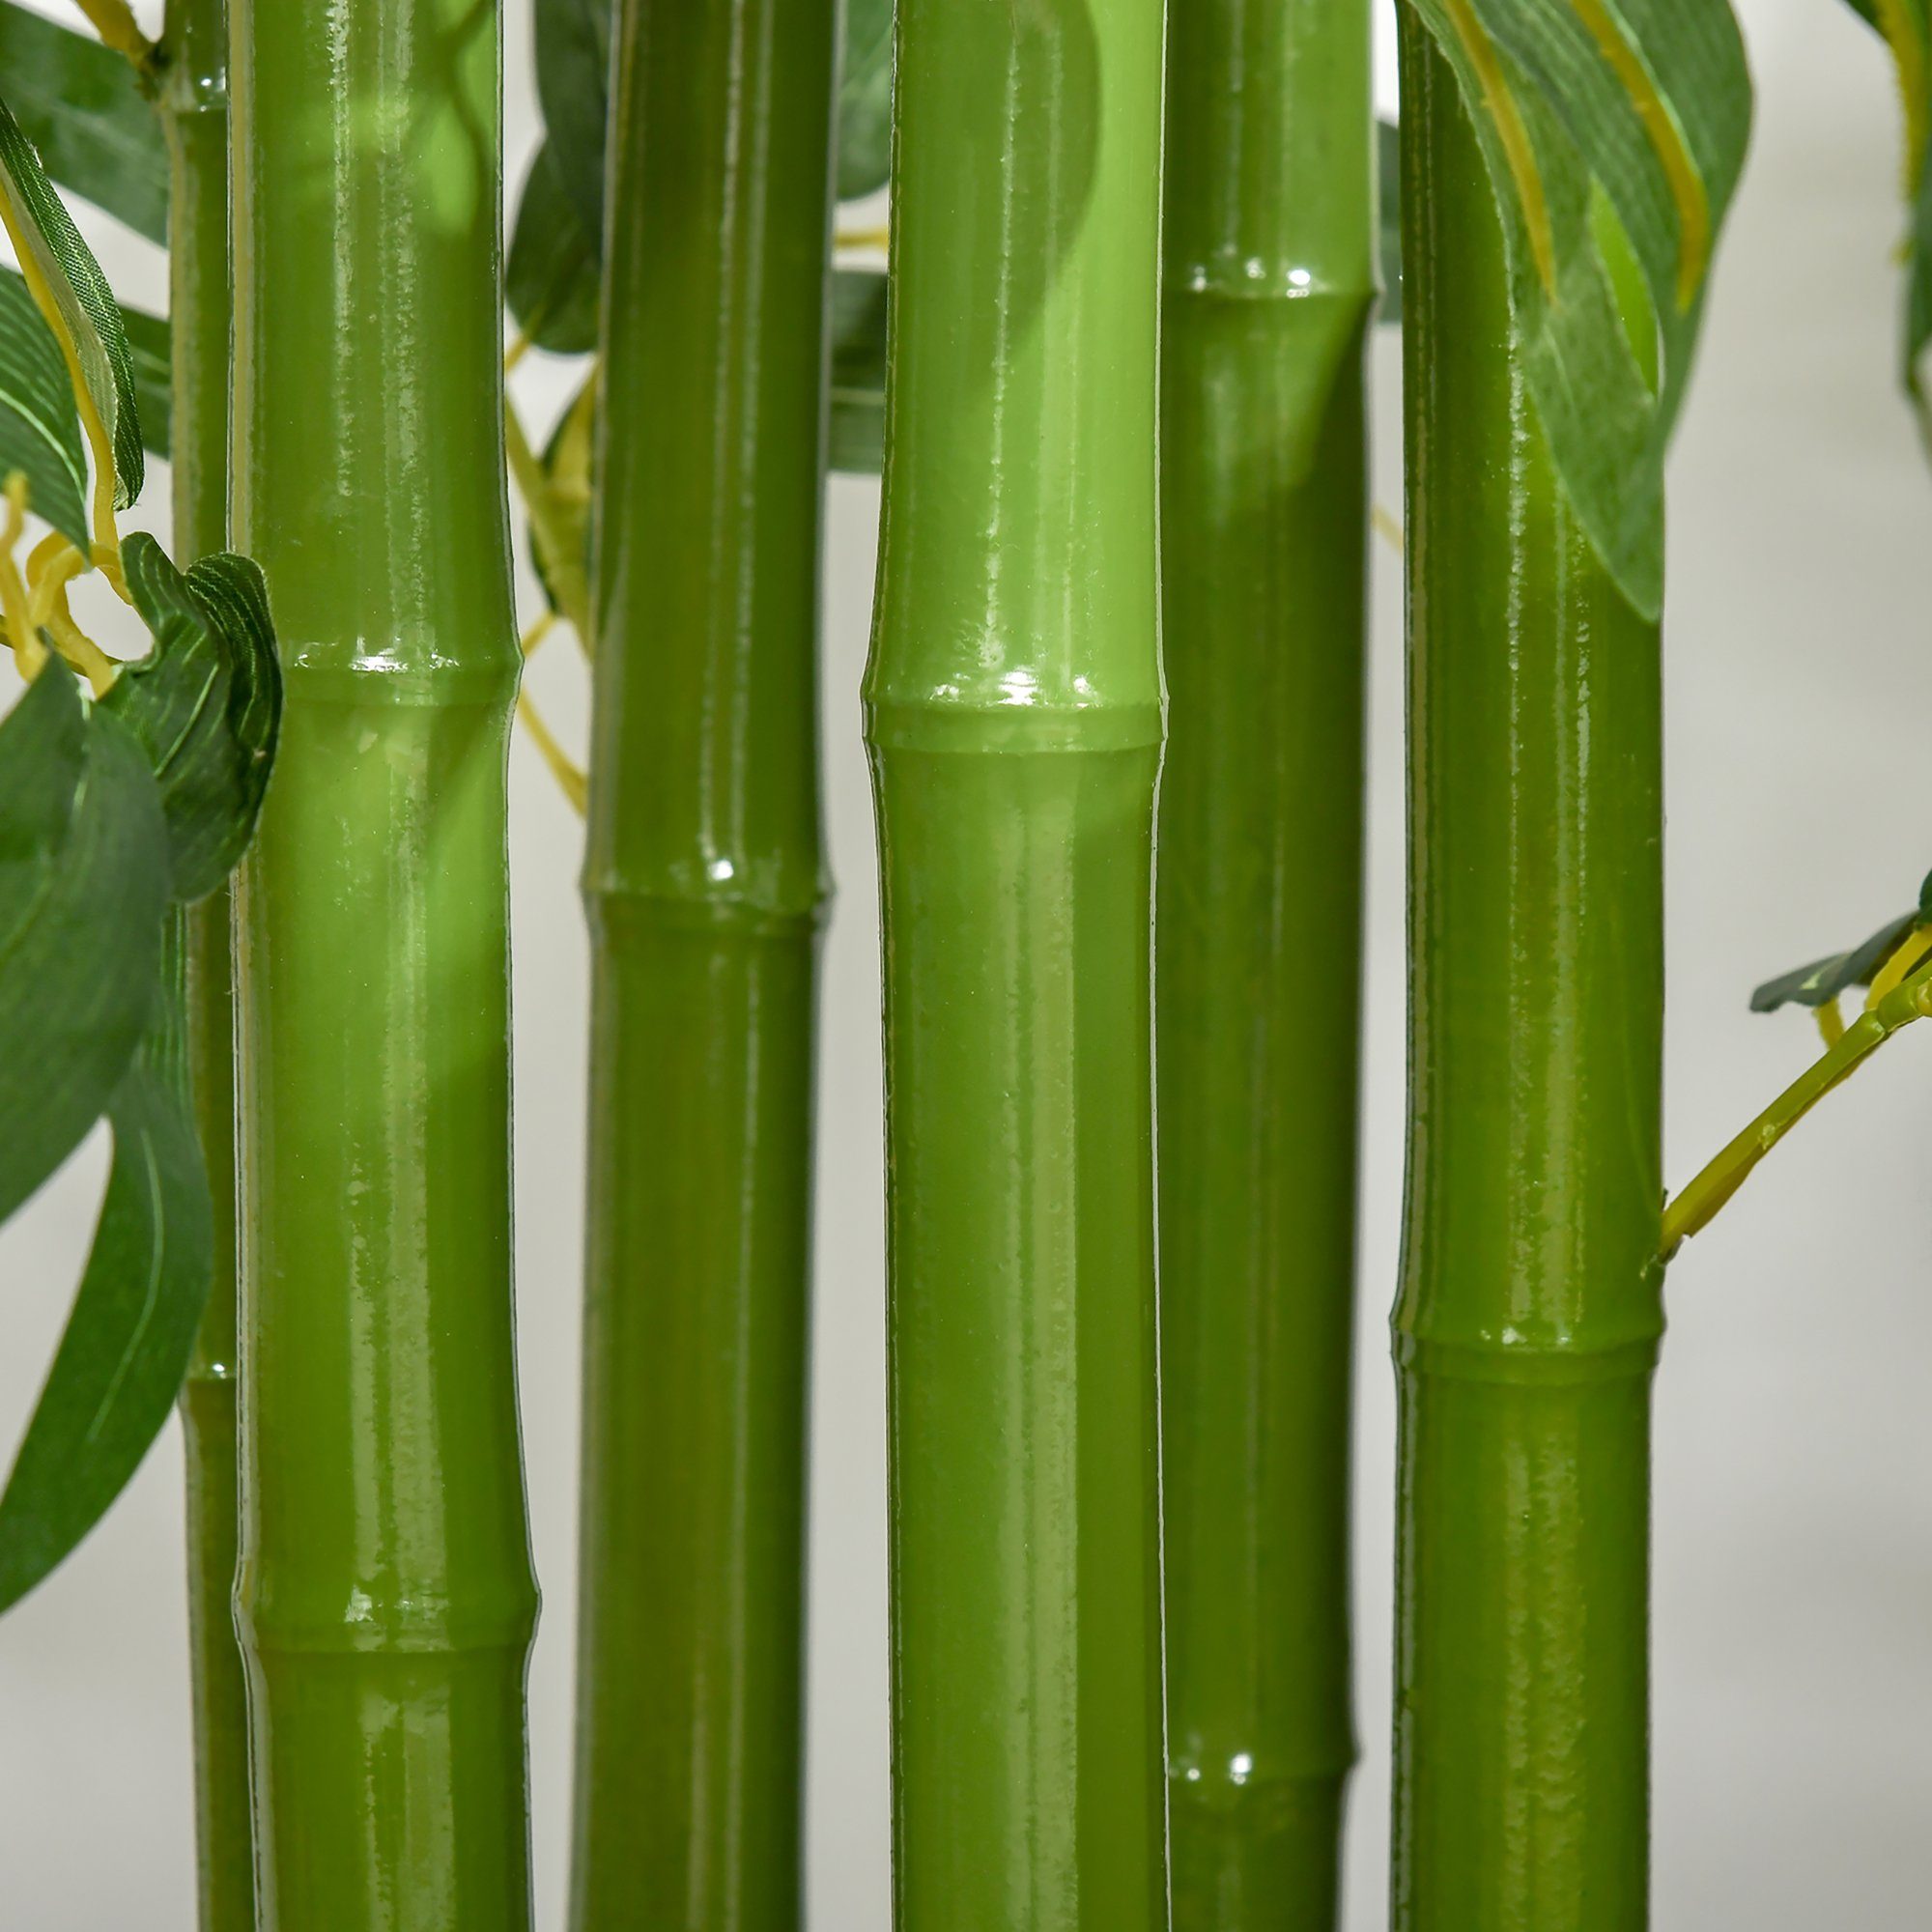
121 805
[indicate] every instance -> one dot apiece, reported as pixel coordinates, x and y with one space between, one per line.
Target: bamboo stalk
1527 1327
194 111
1014 714
385 1597
1269 283
704 883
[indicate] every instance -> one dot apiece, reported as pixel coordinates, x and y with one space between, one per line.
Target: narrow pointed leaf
1824 980
858 429
39 428
205 704
1388 213
552 274
1613 132
45 237
866 100
150 348
574 88
83 886
566 466
82 105
125 1347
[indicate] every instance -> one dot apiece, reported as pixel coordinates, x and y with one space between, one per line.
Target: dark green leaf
40 429
150 348
205 703
866 99
553 272
48 243
83 885
574 87
1824 980
1388 180
858 429
1614 133
119 1363
81 105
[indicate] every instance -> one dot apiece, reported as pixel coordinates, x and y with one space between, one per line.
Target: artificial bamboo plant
704 882
1564 172
1269 287
384 1595
1014 714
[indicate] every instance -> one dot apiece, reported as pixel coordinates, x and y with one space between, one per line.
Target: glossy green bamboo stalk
1269 283
1528 1322
1013 710
194 111
704 883
384 1596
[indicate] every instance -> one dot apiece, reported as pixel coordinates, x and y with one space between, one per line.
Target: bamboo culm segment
384 1596
1529 1315
194 111
704 883
1269 287
1013 713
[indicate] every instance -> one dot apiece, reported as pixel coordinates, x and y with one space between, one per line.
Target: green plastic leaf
574 89
1614 131
858 429
866 99
1388 182
83 887
1824 980
1906 27
48 243
205 704
566 466
553 272
82 105
151 350
39 428
126 1345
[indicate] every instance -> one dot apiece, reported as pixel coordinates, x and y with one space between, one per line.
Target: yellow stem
1831 1022
1386 525
569 774
29 653
854 238
114 21
538 632
78 648
1693 1210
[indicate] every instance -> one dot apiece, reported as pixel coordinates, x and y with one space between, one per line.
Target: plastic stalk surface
703 884
1013 710
193 102
1529 1317
386 1599
1269 287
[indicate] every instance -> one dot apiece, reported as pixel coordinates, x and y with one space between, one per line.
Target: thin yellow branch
114 21
1387 525
1898 1005
567 772
29 653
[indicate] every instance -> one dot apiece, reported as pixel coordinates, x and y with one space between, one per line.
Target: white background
1794 1443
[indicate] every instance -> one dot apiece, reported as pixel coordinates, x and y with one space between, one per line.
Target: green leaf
1906 27
553 273
39 428
121 1360
574 88
866 99
1824 980
82 105
858 429
566 466
151 348
83 885
48 243
1388 182
205 704
1614 131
